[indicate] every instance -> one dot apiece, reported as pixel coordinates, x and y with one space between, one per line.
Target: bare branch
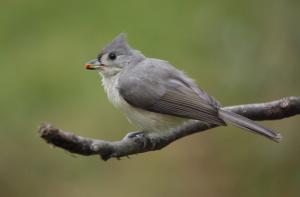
279 109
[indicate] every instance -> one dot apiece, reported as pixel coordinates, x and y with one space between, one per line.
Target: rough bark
274 110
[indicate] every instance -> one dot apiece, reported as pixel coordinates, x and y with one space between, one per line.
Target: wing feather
176 104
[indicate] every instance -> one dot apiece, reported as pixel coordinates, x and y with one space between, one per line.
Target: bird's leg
133 135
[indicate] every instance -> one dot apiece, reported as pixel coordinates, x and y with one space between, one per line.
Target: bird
157 97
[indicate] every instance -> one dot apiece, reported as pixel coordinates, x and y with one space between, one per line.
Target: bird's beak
93 65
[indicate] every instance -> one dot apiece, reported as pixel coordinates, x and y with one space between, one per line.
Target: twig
279 109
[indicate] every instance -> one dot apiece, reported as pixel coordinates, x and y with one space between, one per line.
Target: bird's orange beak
89 66
92 65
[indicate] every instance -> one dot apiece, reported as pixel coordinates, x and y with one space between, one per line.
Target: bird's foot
133 135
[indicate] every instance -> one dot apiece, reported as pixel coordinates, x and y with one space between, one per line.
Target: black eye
112 56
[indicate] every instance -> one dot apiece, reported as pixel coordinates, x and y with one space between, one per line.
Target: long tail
245 123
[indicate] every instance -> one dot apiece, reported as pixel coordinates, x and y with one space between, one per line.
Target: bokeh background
239 51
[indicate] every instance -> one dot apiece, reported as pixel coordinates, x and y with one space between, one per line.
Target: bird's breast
111 88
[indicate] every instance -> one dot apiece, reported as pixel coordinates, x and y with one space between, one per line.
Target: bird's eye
112 56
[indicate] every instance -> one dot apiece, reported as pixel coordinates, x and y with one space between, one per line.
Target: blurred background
239 51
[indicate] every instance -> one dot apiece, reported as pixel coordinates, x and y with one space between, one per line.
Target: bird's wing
161 91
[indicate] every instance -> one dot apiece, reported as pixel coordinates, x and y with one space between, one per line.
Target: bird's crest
118 45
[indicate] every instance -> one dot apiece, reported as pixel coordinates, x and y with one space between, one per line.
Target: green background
239 51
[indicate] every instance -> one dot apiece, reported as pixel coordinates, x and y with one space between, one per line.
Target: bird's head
115 57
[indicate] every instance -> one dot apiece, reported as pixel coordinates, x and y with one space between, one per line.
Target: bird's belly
150 121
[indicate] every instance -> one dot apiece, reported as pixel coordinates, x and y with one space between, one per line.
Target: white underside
144 120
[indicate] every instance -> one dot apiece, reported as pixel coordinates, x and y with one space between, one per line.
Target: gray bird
157 97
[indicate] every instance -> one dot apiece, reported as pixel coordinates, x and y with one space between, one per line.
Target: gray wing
158 87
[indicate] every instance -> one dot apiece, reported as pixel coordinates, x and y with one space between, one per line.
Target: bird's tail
245 123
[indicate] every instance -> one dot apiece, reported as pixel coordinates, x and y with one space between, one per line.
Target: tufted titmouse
157 97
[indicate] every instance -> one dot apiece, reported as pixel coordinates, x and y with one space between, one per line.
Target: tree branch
279 109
